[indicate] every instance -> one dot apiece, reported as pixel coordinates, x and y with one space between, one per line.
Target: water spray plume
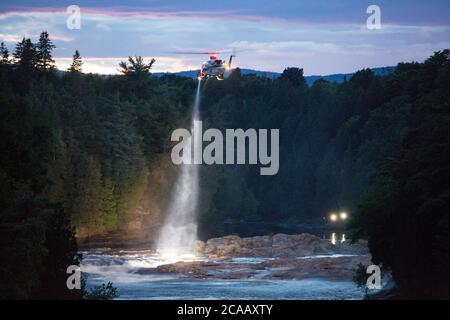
180 228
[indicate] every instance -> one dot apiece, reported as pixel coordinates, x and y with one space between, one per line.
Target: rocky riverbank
335 267
276 246
272 257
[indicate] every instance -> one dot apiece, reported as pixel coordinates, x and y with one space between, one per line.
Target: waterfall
180 228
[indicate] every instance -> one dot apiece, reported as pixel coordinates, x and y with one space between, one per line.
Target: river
134 274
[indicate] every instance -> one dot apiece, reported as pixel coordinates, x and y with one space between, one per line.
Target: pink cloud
121 12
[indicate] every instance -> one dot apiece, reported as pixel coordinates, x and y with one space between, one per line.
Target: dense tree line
405 213
388 135
331 137
76 150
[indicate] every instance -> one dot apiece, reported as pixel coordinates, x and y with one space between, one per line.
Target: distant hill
193 73
338 77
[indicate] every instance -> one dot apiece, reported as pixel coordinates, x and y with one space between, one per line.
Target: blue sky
322 37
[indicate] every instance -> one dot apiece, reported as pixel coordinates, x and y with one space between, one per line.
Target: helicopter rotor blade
202 52
188 52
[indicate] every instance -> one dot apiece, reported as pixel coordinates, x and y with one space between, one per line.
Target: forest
77 149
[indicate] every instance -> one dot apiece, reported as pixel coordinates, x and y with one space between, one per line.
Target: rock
257 242
279 246
280 256
256 252
282 240
198 247
300 245
223 247
332 268
359 247
312 245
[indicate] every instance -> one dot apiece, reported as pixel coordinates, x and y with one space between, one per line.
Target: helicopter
214 67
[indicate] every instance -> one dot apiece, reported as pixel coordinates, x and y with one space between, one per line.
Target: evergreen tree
77 64
25 54
4 54
44 48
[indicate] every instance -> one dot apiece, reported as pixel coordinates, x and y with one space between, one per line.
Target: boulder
257 242
223 246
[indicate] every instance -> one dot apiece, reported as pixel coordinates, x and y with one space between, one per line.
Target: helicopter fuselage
215 68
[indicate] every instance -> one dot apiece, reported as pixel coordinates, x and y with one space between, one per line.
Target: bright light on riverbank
333 238
176 256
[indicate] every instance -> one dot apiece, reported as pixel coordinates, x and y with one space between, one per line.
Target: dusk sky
323 37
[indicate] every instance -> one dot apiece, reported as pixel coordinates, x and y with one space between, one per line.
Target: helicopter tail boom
229 61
